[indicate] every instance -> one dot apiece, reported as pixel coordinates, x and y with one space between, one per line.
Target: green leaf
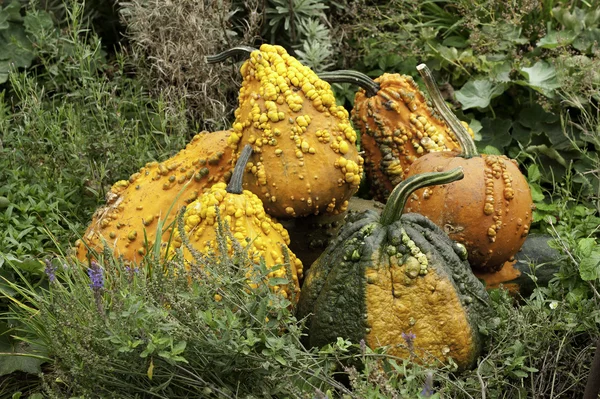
478 93
501 72
13 357
489 150
557 39
536 193
585 246
586 40
455 41
4 20
540 77
495 133
589 267
533 173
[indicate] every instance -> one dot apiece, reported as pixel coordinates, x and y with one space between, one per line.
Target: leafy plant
16 50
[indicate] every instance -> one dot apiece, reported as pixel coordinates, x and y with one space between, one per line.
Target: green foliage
511 67
69 130
300 24
171 329
16 50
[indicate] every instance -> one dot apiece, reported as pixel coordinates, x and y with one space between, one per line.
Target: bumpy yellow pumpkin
243 213
157 191
305 159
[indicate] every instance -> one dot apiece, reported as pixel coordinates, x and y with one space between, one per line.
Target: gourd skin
381 278
249 224
498 225
305 159
397 126
134 206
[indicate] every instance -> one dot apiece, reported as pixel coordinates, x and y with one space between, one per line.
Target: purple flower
50 270
409 338
96 277
427 390
363 346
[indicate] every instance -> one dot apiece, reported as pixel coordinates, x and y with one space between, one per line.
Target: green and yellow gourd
397 126
388 275
157 192
305 160
243 212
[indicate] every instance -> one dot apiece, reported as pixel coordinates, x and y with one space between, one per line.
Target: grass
83 118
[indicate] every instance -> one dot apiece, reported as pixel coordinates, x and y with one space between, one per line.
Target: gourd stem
235 184
397 200
348 76
238 50
465 141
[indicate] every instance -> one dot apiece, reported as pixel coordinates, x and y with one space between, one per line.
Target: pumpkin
397 126
243 213
157 192
391 275
489 211
305 160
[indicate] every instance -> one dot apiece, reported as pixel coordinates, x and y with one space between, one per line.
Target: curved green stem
354 77
237 177
465 141
399 196
238 50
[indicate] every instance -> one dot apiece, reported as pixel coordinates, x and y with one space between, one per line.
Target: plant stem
399 196
238 50
465 141
237 177
354 77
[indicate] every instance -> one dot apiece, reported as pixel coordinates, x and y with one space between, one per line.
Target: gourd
391 274
305 160
243 213
489 211
397 126
157 192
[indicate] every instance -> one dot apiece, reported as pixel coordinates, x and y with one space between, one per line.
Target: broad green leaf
587 39
585 246
476 127
455 41
495 133
501 72
13 357
572 21
589 267
557 39
13 11
533 173
489 150
536 193
478 93
540 77
521 134
38 22
536 118
4 20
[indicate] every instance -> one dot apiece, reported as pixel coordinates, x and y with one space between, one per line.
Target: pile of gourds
401 271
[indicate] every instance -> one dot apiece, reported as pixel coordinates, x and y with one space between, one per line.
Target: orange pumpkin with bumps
489 211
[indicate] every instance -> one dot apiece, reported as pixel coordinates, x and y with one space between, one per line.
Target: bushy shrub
169 41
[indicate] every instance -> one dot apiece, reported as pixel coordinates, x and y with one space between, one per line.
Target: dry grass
169 40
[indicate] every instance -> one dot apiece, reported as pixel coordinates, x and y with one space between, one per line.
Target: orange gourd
489 211
133 207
